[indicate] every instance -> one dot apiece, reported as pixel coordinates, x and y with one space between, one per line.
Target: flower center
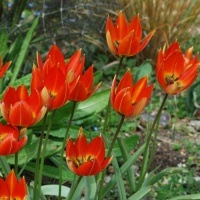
170 79
81 160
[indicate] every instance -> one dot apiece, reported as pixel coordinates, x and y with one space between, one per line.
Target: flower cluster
55 81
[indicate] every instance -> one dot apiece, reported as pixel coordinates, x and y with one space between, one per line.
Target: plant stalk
38 157
63 148
145 157
44 152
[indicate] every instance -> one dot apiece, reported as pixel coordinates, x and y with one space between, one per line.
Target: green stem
44 152
16 163
145 157
115 136
63 148
72 191
108 154
38 157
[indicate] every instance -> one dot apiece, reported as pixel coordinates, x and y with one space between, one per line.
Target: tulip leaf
90 187
51 171
130 143
144 70
172 170
186 197
95 104
140 193
132 159
23 51
119 180
53 190
4 43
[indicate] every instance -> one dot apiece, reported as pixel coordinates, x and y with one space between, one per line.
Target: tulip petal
21 114
111 43
136 26
129 46
125 82
96 149
4 190
106 162
138 108
54 81
113 94
89 168
4 68
61 98
138 88
121 26
81 144
146 40
123 103
22 93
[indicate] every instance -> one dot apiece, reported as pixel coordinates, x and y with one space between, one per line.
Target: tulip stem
44 151
16 163
38 157
72 191
109 153
115 136
145 167
63 147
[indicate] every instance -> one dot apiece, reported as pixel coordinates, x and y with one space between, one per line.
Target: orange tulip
3 68
125 39
20 109
83 88
54 78
86 159
176 71
9 140
129 99
12 189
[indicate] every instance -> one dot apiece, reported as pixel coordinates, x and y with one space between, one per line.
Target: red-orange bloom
9 140
129 99
83 88
3 68
176 71
86 159
55 78
125 39
11 188
21 109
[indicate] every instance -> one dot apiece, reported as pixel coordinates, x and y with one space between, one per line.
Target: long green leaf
119 180
140 193
53 190
23 51
186 197
123 169
90 187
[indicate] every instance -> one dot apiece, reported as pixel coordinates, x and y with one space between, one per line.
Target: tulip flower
128 99
3 68
176 71
86 159
11 188
19 108
9 140
83 88
124 39
54 78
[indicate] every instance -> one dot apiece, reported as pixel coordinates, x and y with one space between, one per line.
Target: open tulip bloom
125 39
86 159
21 109
129 99
176 71
11 188
9 140
55 78
83 88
